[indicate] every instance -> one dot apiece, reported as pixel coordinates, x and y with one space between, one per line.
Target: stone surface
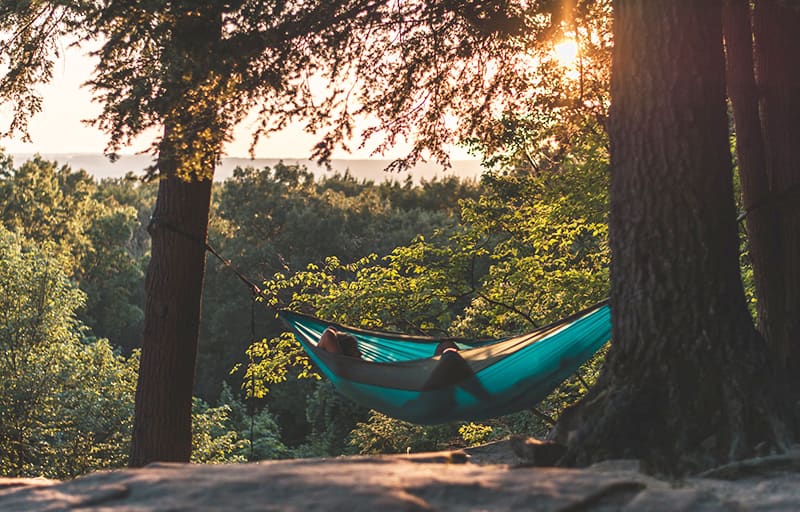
483 478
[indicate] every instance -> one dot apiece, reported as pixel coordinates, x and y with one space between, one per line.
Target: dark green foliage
331 417
65 402
131 191
112 278
66 398
99 229
113 273
256 426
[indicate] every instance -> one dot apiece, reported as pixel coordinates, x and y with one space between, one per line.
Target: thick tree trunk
776 27
761 220
162 428
686 382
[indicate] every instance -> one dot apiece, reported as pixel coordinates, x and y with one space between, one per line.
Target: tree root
789 461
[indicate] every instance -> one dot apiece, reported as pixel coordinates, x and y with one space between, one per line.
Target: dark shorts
451 370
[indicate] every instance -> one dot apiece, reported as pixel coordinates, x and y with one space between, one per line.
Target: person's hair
349 345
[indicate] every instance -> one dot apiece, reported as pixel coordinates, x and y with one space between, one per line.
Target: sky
59 128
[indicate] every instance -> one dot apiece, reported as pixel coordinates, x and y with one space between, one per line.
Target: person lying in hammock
339 343
451 370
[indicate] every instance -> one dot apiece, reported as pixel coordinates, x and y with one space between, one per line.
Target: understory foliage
382 434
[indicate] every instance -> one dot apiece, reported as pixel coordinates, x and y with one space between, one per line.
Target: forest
398 254
637 151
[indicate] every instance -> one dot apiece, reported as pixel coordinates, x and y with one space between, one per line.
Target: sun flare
566 52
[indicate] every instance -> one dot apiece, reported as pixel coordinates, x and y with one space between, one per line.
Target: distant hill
374 170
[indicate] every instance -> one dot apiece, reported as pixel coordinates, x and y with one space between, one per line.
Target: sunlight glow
566 52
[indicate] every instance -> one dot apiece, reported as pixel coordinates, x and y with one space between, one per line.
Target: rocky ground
490 478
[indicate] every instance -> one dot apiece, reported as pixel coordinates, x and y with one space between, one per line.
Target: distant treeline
99 166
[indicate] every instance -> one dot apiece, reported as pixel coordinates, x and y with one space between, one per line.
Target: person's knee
329 342
445 346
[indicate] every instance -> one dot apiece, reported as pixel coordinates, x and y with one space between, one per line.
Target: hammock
507 375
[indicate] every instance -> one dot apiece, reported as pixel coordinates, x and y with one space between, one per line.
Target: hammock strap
254 289
160 222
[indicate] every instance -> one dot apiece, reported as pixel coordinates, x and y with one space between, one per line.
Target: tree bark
686 384
776 27
764 247
162 428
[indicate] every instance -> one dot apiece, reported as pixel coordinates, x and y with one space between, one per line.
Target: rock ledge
483 478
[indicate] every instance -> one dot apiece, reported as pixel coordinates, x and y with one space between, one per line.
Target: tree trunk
162 428
194 131
764 249
776 27
686 383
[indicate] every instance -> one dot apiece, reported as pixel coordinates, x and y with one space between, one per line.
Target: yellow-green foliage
528 251
272 360
213 440
382 434
475 433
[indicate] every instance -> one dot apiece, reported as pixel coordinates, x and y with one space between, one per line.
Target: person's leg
451 369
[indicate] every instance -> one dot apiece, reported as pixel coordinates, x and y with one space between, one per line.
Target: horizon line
89 153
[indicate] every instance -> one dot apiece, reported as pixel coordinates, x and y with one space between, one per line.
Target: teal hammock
507 375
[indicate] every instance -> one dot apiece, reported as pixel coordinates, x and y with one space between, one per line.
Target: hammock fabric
508 375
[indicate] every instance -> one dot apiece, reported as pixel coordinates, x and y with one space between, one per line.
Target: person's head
444 345
349 345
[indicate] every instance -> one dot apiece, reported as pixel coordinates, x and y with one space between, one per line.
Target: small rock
535 452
